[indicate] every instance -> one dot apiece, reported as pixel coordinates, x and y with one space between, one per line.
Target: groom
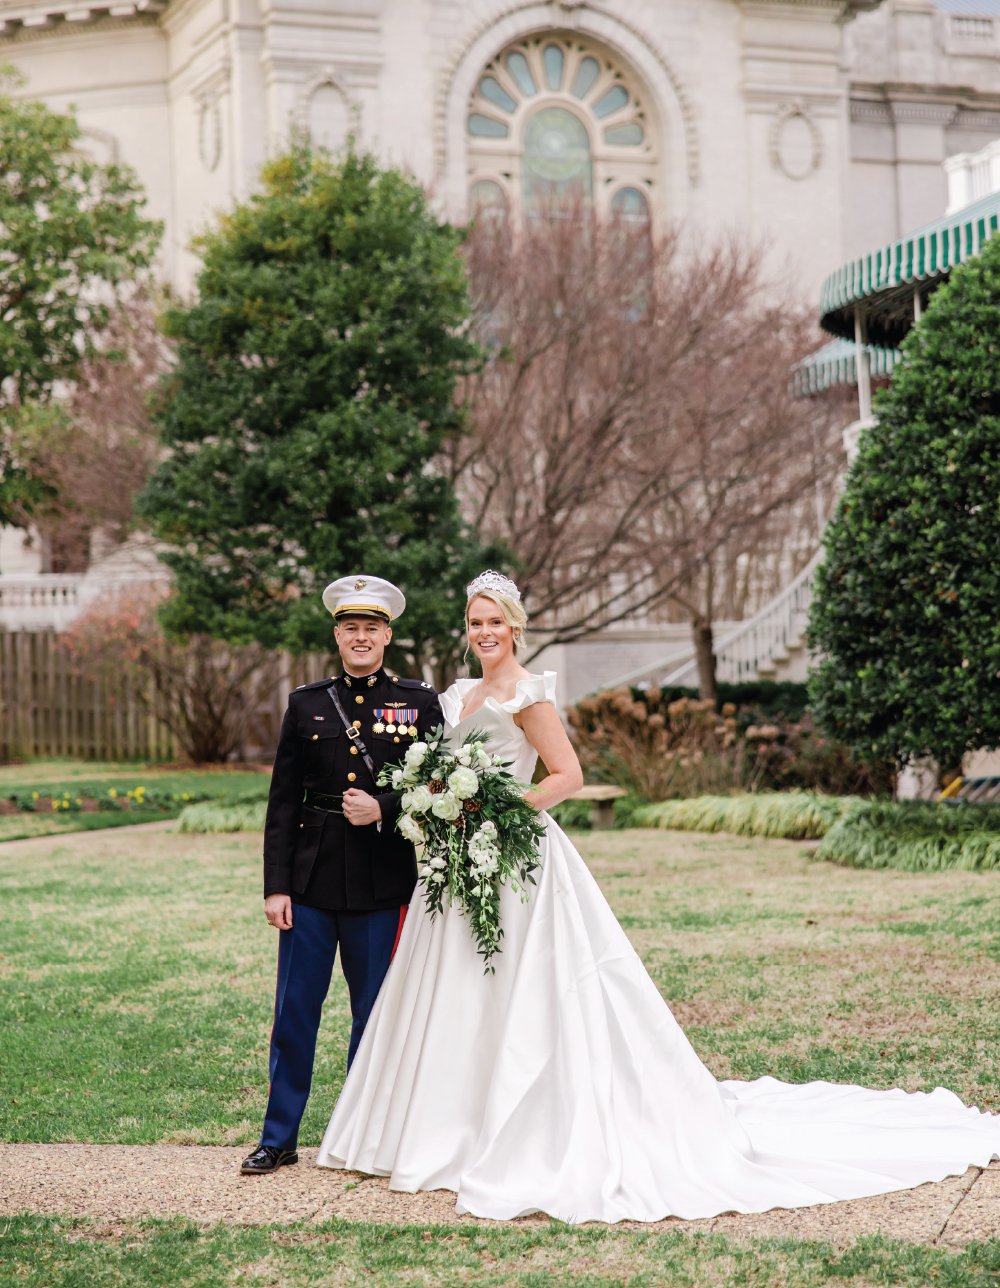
336 871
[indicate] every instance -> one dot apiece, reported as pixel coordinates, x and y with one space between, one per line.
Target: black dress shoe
266 1158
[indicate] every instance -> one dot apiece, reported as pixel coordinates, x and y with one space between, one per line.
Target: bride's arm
544 730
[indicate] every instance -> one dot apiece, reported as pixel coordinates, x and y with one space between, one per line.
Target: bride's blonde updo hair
505 594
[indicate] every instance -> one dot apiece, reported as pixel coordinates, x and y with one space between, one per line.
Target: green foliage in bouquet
467 812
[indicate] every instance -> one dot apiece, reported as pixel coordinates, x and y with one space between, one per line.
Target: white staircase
768 646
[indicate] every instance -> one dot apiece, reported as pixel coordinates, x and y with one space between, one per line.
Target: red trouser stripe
399 930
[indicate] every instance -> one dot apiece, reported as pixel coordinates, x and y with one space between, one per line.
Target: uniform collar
363 681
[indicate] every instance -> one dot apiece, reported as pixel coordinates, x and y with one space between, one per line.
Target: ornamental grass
656 748
211 816
794 815
916 836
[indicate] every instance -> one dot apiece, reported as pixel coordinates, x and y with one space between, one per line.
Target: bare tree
95 446
632 425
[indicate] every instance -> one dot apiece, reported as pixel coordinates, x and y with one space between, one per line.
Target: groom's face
362 642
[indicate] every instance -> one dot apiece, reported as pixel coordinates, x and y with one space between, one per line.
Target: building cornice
918 104
843 10
23 20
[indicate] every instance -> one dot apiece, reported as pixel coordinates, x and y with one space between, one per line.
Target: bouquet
467 813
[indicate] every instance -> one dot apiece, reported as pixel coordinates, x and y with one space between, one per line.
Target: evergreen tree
907 608
314 386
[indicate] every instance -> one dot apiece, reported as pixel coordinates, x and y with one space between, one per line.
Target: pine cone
437 785
472 807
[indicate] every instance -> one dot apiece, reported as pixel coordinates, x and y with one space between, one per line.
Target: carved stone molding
210 134
338 79
781 145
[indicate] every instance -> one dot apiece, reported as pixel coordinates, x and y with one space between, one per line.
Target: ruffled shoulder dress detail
563 1083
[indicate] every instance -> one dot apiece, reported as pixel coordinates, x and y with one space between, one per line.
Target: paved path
203 1183
93 834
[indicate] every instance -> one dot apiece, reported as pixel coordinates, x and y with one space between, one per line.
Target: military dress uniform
349 885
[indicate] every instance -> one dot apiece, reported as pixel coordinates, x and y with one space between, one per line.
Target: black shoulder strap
352 733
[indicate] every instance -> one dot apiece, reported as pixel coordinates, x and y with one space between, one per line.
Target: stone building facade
820 125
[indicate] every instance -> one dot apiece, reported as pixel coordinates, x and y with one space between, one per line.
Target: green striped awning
836 364
883 282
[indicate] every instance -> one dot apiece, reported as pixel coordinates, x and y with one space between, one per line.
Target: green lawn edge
76 1252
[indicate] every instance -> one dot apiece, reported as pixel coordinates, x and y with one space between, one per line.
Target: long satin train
563 1084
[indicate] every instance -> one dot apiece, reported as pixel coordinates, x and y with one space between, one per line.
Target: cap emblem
360 584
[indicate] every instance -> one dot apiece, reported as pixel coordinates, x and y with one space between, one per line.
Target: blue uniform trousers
305 964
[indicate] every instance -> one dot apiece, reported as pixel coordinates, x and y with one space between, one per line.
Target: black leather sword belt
322 800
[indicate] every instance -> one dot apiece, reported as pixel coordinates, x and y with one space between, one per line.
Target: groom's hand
278 911
360 808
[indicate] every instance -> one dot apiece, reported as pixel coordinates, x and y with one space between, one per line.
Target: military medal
396 720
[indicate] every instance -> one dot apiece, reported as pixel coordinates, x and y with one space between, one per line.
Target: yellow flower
34 796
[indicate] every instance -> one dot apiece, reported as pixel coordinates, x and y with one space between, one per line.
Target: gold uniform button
354 751
315 737
351 777
395 740
360 698
357 724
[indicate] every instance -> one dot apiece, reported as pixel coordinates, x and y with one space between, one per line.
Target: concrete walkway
202 1182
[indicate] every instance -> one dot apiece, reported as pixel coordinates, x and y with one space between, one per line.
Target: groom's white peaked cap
364 595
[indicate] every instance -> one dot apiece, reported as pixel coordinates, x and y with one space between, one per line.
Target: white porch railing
42 601
754 647
763 640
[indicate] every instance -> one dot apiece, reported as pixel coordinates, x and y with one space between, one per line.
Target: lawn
92 1254
136 978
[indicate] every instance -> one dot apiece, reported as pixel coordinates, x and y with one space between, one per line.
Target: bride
563 1083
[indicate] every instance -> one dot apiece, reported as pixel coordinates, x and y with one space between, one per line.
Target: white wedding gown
563 1083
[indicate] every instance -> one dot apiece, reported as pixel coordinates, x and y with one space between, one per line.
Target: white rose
415 754
464 756
447 806
420 800
397 779
426 870
463 782
488 828
437 864
483 758
410 828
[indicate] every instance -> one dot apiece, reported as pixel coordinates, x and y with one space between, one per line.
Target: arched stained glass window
557 161
613 101
554 59
491 89
520 69
587 73
555 117
487 127
630 204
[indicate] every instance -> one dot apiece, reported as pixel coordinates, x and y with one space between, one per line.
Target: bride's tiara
490 580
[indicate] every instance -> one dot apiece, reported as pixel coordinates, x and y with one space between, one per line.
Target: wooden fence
48 708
